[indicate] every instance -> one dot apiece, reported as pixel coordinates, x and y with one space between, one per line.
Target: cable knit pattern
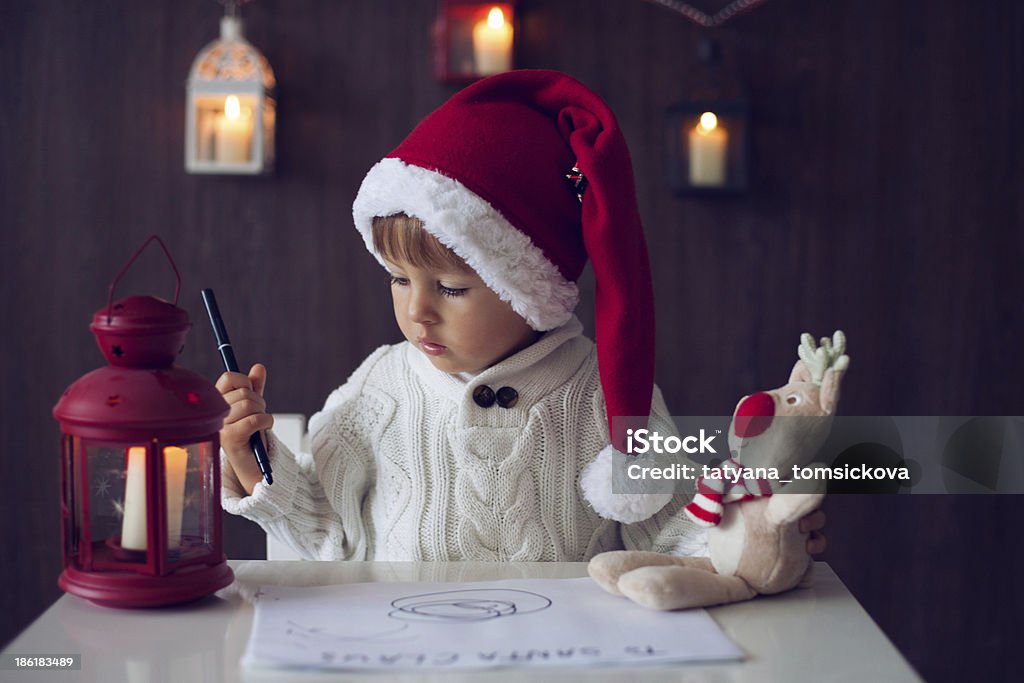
406 466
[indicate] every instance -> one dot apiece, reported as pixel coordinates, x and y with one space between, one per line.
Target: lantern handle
126 266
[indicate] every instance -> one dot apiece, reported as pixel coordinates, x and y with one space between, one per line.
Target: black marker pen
231 365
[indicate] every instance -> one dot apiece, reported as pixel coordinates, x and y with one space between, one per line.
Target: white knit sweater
406 466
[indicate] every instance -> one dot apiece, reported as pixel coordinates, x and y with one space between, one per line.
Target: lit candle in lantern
175 462
492 44
707 143
233 132
133 527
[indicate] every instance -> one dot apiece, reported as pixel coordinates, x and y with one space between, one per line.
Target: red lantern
140 463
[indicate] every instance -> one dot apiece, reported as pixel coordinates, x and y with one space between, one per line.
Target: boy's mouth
431 348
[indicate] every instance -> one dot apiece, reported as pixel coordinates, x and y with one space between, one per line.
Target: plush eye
794 400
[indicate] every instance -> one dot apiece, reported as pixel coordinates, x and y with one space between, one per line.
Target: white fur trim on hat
596 482
504 258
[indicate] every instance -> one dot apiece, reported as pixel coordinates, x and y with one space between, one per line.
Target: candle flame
232 108
495 18
708 122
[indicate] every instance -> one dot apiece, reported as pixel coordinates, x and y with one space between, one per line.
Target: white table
813 634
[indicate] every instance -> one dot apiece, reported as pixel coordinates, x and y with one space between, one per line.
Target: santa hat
525 175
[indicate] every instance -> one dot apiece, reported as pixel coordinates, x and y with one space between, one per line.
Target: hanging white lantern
230 110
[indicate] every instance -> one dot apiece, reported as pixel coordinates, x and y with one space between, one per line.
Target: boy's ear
800 373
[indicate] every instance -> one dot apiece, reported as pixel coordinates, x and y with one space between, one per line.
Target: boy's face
454 318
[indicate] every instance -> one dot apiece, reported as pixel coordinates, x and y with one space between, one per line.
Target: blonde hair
399 237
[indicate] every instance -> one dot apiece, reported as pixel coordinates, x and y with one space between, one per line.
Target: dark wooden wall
886 199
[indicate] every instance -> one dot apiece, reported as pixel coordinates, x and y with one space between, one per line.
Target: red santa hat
525 175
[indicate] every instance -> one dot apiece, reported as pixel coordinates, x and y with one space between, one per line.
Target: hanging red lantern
140 462
474 39
709 131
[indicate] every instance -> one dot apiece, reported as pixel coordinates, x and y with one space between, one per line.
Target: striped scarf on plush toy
714 492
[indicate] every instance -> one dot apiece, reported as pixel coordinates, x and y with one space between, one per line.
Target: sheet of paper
438 626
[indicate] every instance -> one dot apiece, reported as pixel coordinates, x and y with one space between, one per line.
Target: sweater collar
564 348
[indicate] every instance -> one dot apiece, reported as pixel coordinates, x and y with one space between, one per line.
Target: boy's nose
420 309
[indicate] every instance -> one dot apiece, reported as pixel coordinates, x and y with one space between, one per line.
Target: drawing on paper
316 636
452 607
463 606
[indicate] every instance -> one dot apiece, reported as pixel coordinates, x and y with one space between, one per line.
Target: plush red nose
753 415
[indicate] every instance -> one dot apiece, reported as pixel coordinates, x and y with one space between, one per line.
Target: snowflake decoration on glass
103 487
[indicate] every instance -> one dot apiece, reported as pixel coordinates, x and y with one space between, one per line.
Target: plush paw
677 587
606 568
660 588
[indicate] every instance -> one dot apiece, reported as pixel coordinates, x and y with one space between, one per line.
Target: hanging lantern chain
231 7
709 20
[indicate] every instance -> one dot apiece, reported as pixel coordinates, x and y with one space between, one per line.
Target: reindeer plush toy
754 541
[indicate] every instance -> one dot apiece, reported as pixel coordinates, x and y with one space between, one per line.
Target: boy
488 434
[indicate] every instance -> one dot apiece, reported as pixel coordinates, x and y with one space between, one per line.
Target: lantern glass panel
460 43
119 507
72 509
116 499
225 128
190 522
269 124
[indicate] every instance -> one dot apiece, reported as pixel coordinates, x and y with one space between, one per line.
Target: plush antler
818 359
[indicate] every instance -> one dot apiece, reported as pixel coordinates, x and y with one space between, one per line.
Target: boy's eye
399 281
450 291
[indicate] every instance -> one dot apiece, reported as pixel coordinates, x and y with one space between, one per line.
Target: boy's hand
812 524
248 414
